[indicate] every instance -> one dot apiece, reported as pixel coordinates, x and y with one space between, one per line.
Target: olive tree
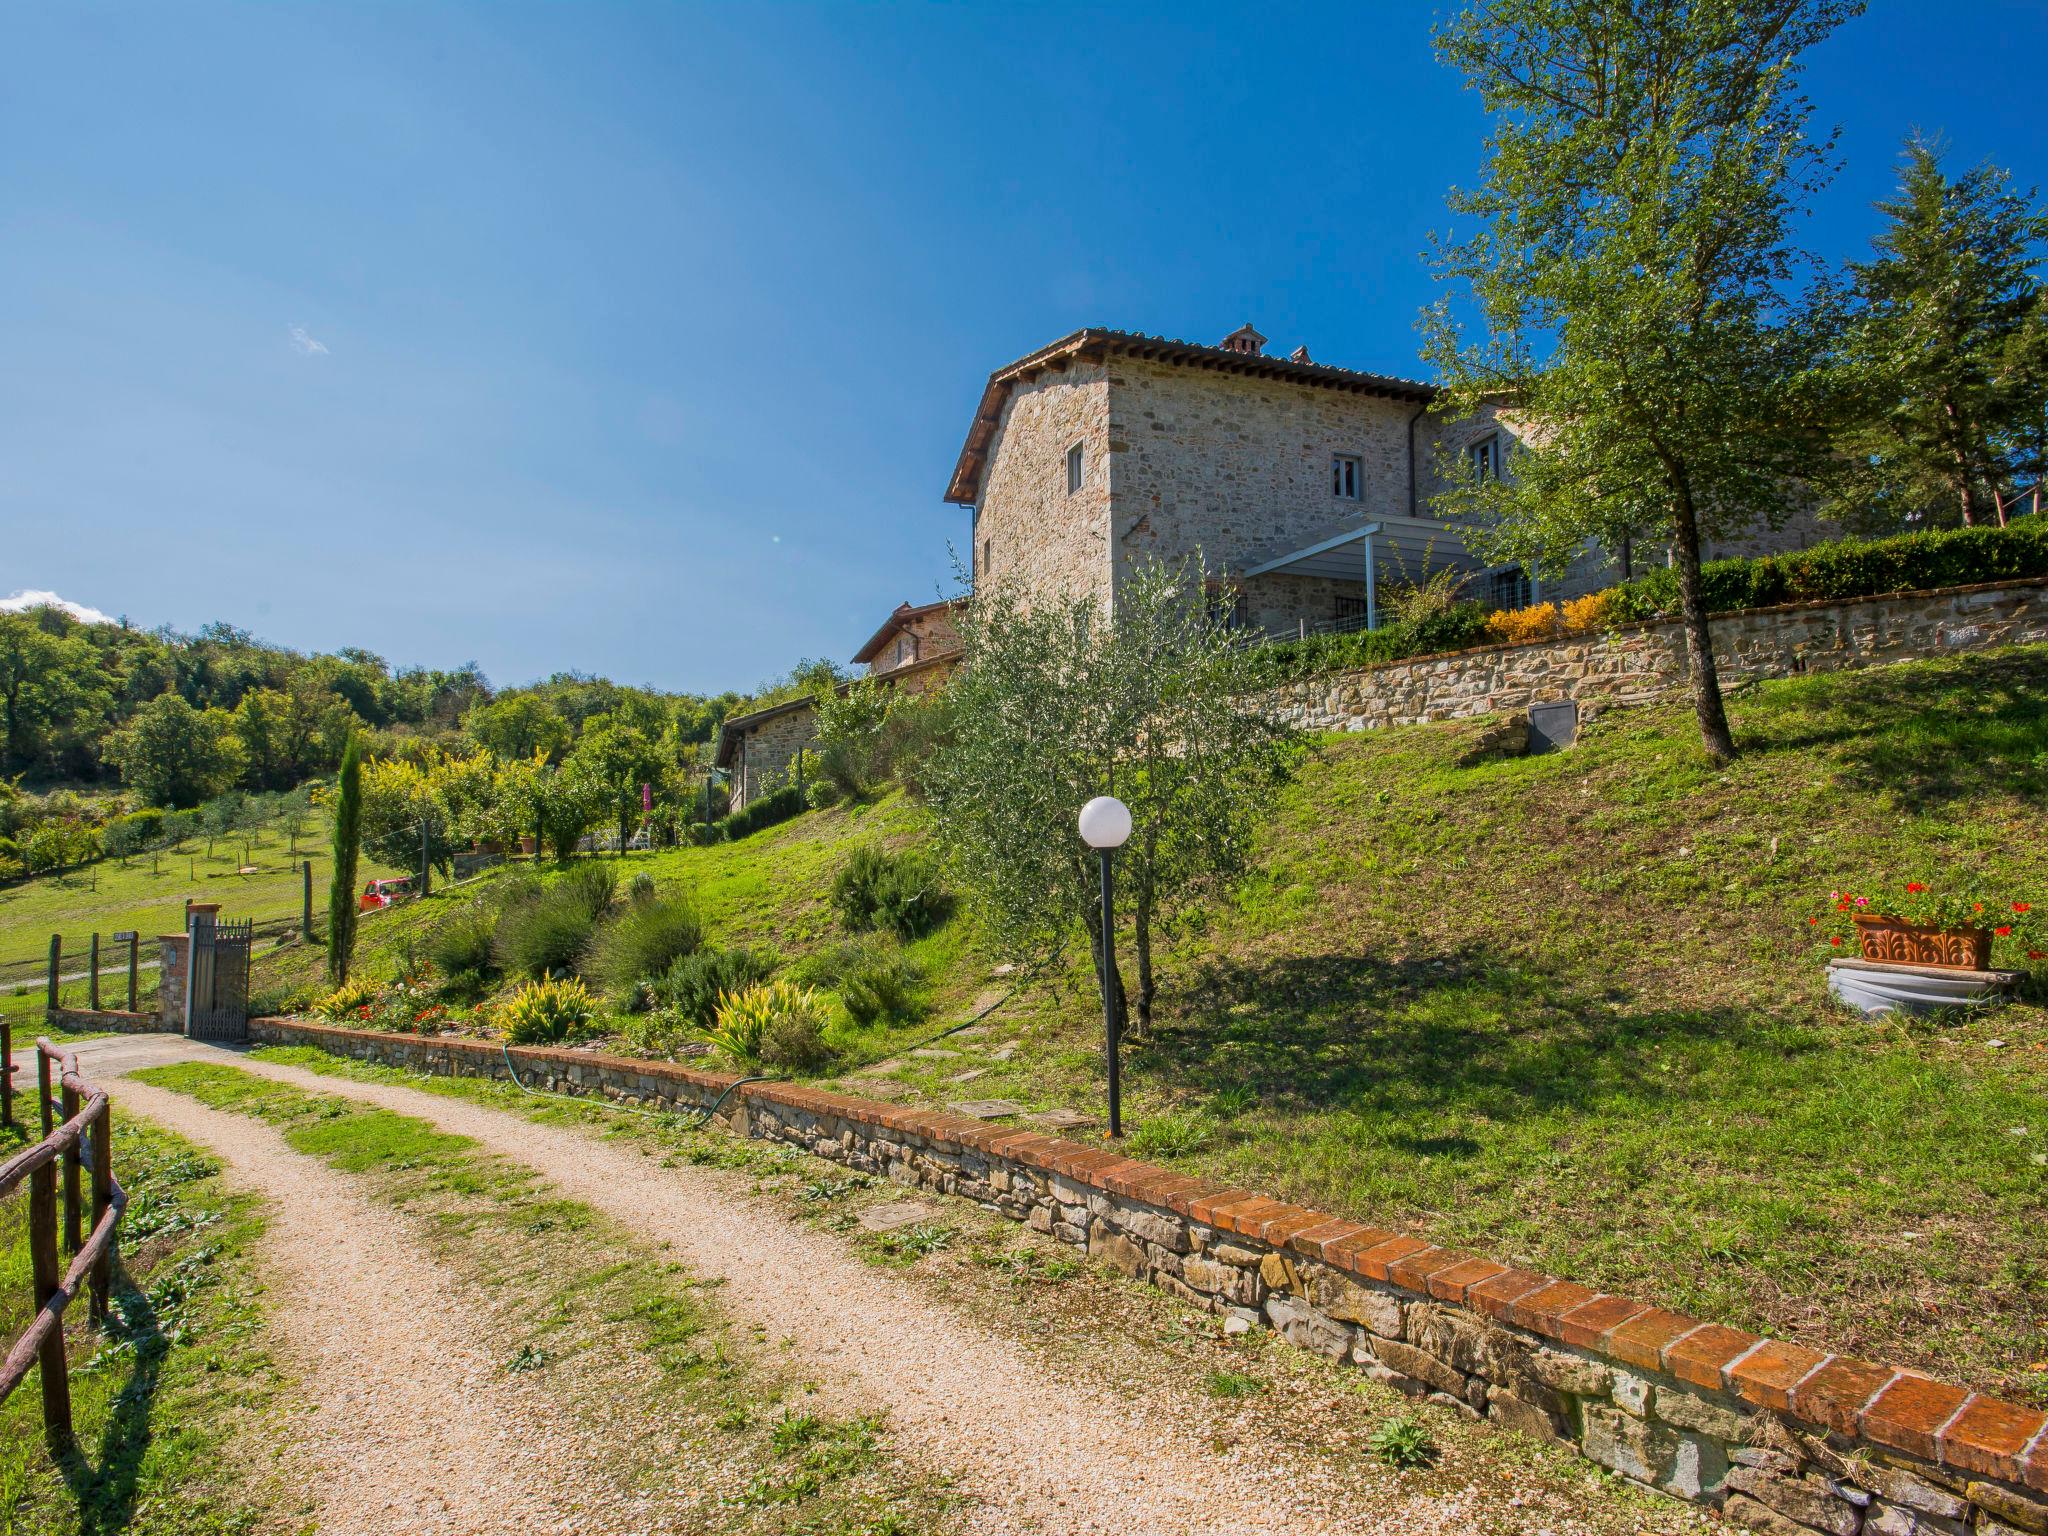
1057 702
1626 262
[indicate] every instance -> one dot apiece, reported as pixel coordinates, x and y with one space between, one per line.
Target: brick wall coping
1805 605
1905 1411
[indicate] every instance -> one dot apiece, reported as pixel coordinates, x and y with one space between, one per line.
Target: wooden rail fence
77 1123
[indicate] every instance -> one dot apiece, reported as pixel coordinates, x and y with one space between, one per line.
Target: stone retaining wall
116 1020
1779 1437
1641 663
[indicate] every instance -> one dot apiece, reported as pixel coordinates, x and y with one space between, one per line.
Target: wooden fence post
102 1201
134 946
306 903
43 1092
74 1205
7 1075
93 993
56 966
42 1245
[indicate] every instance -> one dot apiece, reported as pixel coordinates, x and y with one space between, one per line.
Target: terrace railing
77 1122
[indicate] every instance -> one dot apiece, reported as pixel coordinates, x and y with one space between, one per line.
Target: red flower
2004 932
1914 887
1836 941
1976 906
2023 906
1812 921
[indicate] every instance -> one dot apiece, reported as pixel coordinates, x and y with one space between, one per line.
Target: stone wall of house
1028 528
1640 663
928 635
762 762
1240 468
1781 1438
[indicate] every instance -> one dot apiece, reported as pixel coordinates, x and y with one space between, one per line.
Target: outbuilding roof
1096 342
904 614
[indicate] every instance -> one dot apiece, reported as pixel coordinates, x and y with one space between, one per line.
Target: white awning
1400 548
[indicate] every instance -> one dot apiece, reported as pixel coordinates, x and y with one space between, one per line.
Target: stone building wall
1781 1438
1028 529
762 763
1240 468
173 950
1641 663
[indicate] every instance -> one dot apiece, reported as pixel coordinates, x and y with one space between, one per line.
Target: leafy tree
1949 336
610 762
517 726
172 754
853 737
1630 269
40 688
569 805
348 847
1054 703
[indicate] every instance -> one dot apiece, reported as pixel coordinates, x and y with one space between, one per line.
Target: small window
906 650
1509 588
1344 476
1349 614
1484 457
1073 469
988 556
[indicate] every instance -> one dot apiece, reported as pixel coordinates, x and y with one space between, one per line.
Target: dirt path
414 1426
1032 1451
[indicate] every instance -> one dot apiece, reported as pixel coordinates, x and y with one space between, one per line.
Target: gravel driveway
1032 1450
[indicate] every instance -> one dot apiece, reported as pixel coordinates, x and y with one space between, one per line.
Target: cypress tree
348 842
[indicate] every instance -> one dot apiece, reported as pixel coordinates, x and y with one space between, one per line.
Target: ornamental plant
2016 928
547 1012
348 1000
749 1018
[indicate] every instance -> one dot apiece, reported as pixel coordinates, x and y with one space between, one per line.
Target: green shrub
692 985
899 891
547 1012
776 1015
465 941
1403 1441
762 811
881 988
643 939
795 1042
281 1001
1458 627
550 932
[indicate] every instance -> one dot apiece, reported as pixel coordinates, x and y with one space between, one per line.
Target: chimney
1300 354
1246 340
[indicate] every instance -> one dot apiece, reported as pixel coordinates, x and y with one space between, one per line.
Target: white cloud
303 343
22 602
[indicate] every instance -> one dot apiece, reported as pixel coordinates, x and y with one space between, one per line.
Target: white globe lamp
1105 822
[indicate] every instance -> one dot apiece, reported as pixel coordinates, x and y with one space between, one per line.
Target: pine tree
1949 341
348 842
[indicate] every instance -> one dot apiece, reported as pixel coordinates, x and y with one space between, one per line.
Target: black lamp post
1105 827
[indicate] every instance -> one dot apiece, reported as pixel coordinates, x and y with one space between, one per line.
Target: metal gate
219 1008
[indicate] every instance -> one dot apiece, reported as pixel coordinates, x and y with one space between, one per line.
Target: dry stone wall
1642 663
1780 1438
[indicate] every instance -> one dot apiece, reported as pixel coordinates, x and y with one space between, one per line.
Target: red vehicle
385 893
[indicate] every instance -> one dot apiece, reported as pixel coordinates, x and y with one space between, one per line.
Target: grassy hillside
1562 1010
148 895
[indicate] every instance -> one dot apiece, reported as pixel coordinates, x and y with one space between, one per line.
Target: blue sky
640 339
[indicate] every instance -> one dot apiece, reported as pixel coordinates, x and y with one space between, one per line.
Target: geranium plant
2015 927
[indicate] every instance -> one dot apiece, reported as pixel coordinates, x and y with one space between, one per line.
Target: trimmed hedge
763 811
1908 562
1459 629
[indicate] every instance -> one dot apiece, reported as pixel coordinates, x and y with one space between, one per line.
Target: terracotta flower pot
1895 940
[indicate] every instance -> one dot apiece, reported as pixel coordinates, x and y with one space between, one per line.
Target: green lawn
1562 1010
146 895
172 1403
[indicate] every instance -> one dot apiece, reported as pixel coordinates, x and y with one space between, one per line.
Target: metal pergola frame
1417 543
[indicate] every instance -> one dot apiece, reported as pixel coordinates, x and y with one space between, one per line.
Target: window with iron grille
1509 588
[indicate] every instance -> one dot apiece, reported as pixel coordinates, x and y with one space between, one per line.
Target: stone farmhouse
1306 490
914 650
